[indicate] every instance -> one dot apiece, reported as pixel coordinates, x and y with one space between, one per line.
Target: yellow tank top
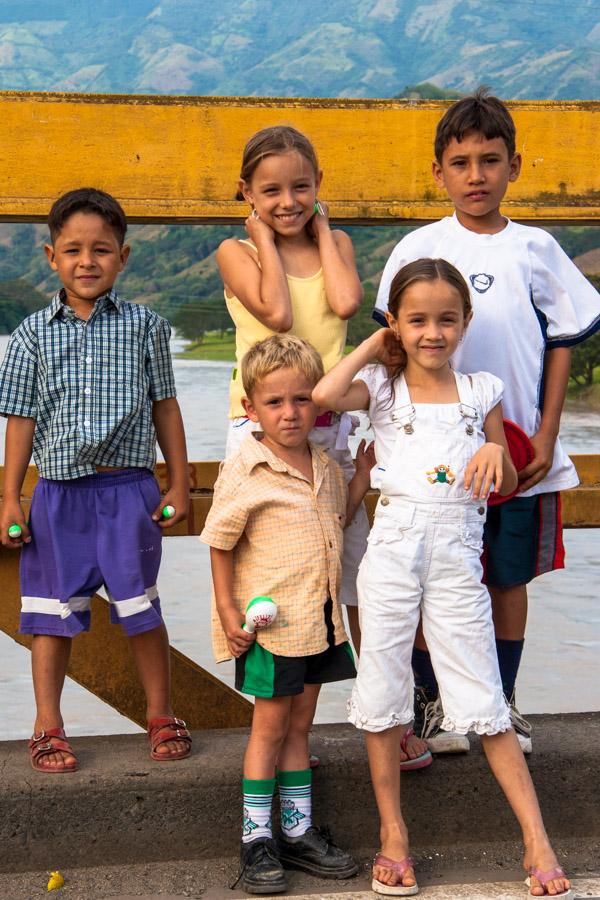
313 320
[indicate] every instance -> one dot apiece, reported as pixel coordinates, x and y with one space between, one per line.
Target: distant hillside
17 300
172 267
589 262
341 48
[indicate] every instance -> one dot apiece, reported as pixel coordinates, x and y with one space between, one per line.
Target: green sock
258 799
295 799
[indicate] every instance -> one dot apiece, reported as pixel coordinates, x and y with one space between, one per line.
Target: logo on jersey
481 282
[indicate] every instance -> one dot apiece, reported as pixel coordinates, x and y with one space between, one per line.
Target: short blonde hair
280 351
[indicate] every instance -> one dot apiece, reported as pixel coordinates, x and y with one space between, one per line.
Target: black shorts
264 674
522 539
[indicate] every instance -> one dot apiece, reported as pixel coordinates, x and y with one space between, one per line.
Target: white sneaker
428 725
521 726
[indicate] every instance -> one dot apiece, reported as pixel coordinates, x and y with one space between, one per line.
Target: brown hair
424 270
480 112
88 200
280 351
428 270
273 141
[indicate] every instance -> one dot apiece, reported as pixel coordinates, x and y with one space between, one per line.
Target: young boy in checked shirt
87 386
275 528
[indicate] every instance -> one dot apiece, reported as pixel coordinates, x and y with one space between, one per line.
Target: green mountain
173 268
17 300
342 48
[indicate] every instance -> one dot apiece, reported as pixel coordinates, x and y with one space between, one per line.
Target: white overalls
423 557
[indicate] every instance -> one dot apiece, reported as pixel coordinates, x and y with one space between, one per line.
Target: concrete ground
126 827
209 879
122 808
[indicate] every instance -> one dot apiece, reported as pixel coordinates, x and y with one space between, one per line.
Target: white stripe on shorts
133 605
52 607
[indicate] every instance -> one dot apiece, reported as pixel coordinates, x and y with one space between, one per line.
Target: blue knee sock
423 672
509 658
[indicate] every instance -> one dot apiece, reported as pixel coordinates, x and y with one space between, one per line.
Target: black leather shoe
316 853
262 872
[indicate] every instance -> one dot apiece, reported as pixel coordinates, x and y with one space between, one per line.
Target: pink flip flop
400 868
419 762
544 878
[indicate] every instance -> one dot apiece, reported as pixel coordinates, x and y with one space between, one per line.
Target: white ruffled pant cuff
494 725
357 718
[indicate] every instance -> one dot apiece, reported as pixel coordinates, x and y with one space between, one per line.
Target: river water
560 669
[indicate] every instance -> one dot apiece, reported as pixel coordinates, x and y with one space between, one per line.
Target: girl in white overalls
440 448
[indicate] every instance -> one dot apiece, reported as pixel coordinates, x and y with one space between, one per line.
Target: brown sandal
168 728
47 742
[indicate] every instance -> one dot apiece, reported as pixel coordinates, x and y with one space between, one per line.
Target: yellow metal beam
178 158
581 506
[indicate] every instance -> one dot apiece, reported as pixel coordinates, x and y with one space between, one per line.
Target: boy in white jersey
531 305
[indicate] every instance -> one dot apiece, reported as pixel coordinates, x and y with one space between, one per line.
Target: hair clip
318 209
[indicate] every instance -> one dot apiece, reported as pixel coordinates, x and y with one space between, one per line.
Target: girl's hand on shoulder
485 469
257 230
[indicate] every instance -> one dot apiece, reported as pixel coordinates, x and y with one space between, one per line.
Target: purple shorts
85 533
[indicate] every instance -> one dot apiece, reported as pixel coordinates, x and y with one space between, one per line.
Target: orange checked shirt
287 537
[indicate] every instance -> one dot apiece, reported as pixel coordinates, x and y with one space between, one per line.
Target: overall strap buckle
470 415
403 417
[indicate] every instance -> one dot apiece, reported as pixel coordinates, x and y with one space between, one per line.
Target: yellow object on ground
56 881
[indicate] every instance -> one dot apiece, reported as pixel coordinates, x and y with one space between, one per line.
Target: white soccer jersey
527 297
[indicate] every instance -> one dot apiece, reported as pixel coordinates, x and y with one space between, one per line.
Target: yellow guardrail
178 158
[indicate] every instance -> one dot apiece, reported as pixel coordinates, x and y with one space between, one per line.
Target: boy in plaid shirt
87 386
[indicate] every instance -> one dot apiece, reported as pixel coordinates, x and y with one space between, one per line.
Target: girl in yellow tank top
313 319
294 274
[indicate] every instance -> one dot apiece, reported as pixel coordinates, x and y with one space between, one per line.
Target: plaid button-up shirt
287 538
89 385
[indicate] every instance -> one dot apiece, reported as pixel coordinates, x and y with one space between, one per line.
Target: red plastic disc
521 452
